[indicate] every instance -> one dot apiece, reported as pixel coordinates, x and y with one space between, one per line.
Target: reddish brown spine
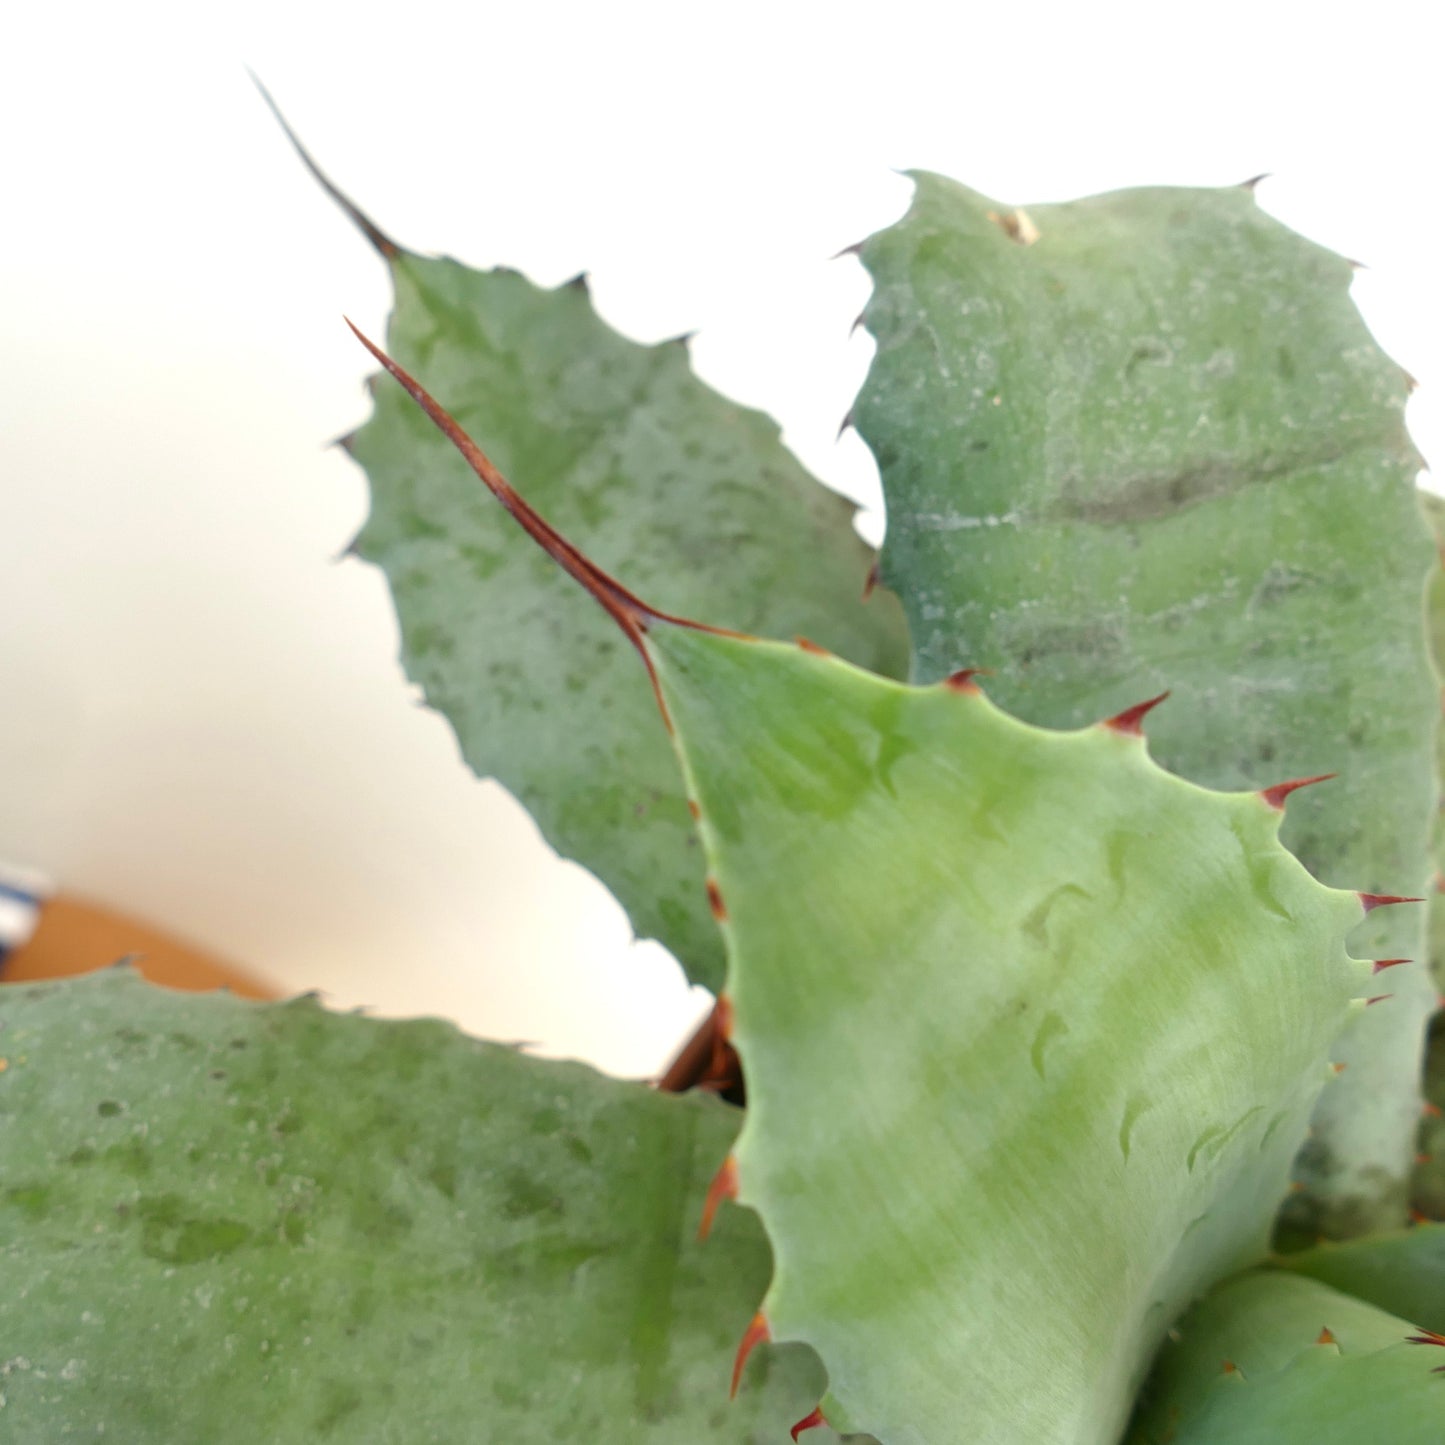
963 679
724 1186
1130 722
1276 795
1427 1337
627 610
1381 964
808 1422
1371 901
693 1063
753 1336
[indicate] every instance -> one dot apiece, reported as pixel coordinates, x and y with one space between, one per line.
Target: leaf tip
380 241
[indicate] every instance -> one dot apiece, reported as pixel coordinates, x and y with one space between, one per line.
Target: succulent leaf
1278 1359
230 1222
1401 1273
1032 1029
696 494
1145 441
962 952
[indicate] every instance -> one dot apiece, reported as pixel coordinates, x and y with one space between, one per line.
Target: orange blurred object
73 937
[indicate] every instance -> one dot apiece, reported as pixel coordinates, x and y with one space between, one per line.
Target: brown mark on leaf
870 584
715 901
1147 496
1017 225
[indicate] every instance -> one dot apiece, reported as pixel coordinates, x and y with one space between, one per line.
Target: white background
203 721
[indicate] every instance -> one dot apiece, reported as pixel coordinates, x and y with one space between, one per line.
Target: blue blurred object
22 892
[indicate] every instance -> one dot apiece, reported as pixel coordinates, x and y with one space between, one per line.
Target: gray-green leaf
1271 1358
691 496
229 1222
1145 441
1402 1272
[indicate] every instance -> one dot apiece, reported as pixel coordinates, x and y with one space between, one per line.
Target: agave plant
1056 1042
